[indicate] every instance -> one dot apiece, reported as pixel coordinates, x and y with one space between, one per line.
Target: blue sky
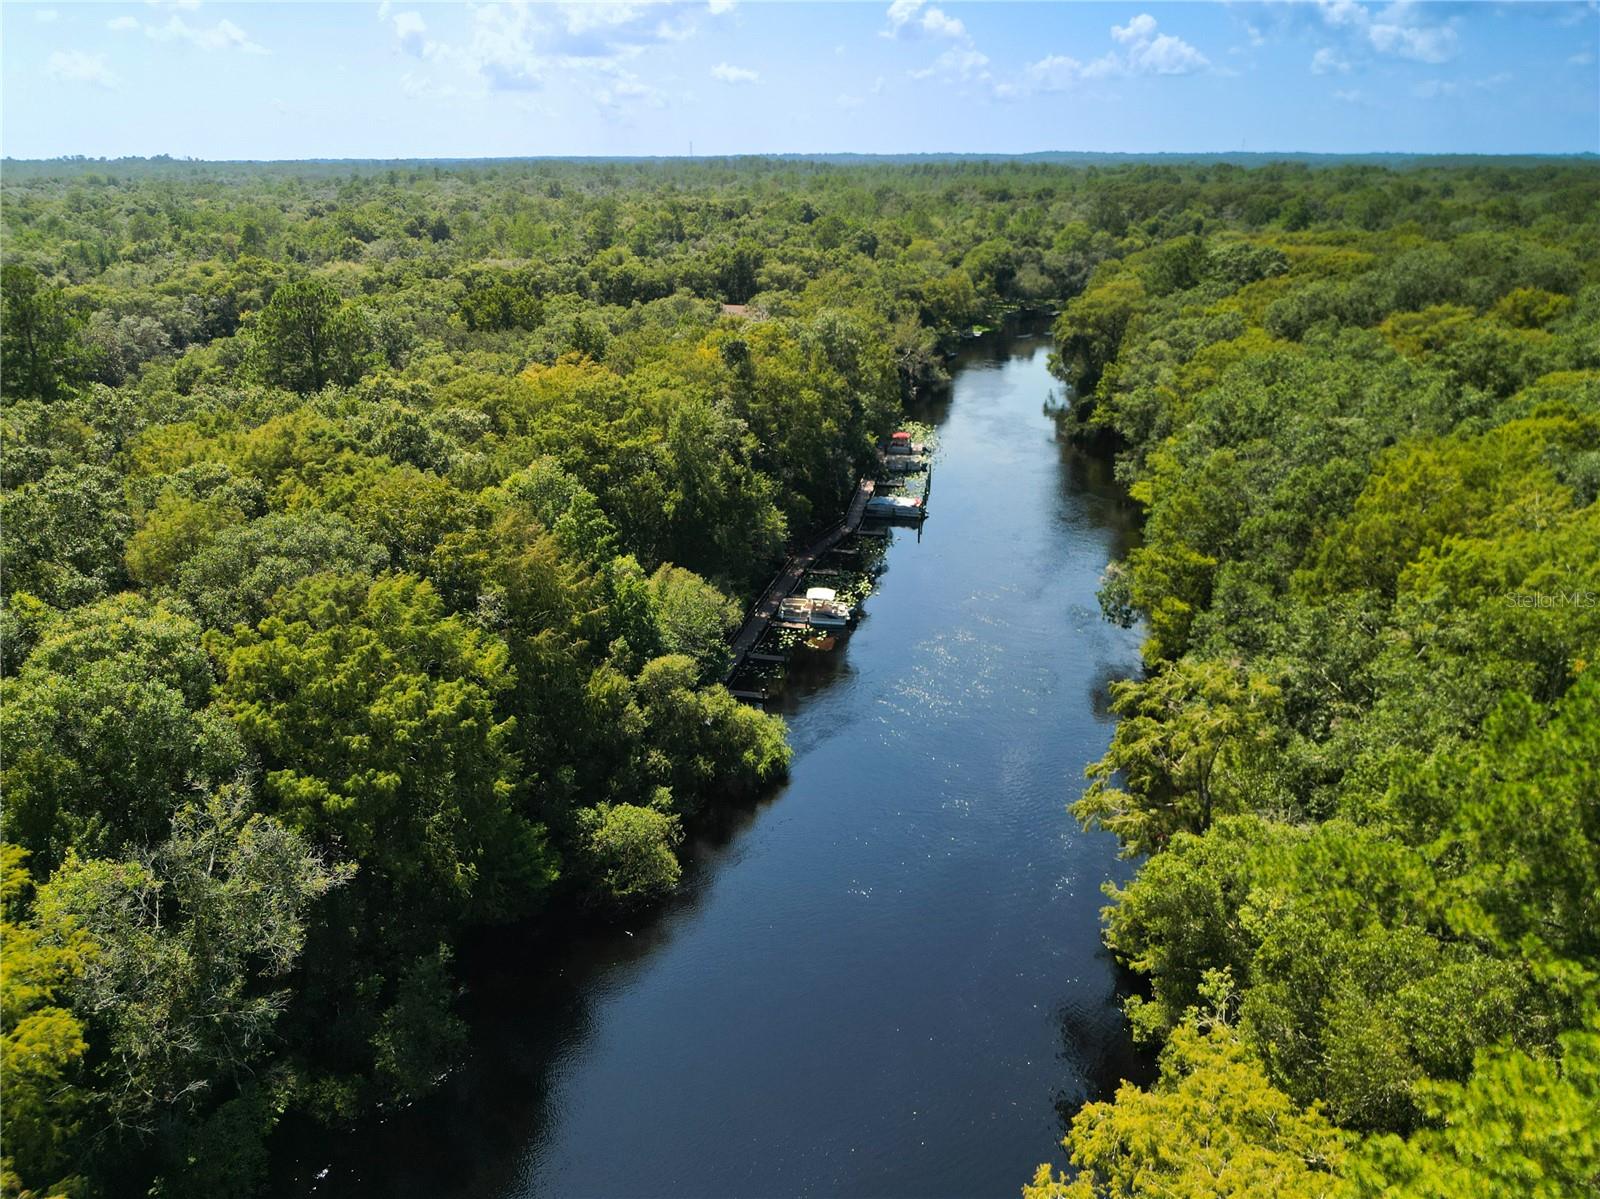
406 79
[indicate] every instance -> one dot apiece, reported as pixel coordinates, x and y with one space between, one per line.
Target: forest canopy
371 534
1360 766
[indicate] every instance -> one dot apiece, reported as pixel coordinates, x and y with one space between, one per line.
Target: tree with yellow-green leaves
42 1044
1187 747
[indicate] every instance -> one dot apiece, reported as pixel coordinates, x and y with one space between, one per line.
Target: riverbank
885 979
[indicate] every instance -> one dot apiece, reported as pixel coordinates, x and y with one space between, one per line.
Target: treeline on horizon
136 166
371 538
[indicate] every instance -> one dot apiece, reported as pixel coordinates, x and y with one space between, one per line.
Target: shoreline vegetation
1360 767
372 534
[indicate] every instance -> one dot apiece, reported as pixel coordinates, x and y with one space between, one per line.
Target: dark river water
887 979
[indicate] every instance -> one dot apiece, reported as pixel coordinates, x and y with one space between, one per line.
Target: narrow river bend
888 979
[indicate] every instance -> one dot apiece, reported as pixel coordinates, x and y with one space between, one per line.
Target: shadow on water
528 1004
1097 1054
885 979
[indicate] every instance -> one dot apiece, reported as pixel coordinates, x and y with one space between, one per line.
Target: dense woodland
1363 766
371 536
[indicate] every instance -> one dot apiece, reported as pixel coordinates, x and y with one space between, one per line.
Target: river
887 979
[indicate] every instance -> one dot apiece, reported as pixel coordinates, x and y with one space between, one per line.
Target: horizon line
802 154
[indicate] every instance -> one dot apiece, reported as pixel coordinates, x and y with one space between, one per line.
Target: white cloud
1435 89
74 66
520 46
935 22
1432 43
728 73
627 89
1141 29
938 24
1107 66
1168 55
717 7
1147 51
1152 53
1326 61
1341 13
409 30
900 14
517 46
1404 29
420 87
958 62
1053 73
224 35
45 15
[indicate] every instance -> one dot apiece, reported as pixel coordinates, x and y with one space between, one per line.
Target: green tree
63 537
1187 747
308 338
42 1042
108 726
232 578
41 354
373 712
704 743
693 617
1522 1125
177 529
192 943
1213 1125
630 850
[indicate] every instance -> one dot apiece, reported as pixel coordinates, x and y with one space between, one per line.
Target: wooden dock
766 608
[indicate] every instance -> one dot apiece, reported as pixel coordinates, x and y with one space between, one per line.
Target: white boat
893 507
826 610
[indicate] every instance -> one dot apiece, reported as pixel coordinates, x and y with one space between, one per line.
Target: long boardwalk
760 618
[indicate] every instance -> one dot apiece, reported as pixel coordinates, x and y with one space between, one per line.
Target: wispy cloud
956 63
1437 89
224 35
960 62
1053 73
75 66
1404 29
728 73
521 47
1326 61
410 30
